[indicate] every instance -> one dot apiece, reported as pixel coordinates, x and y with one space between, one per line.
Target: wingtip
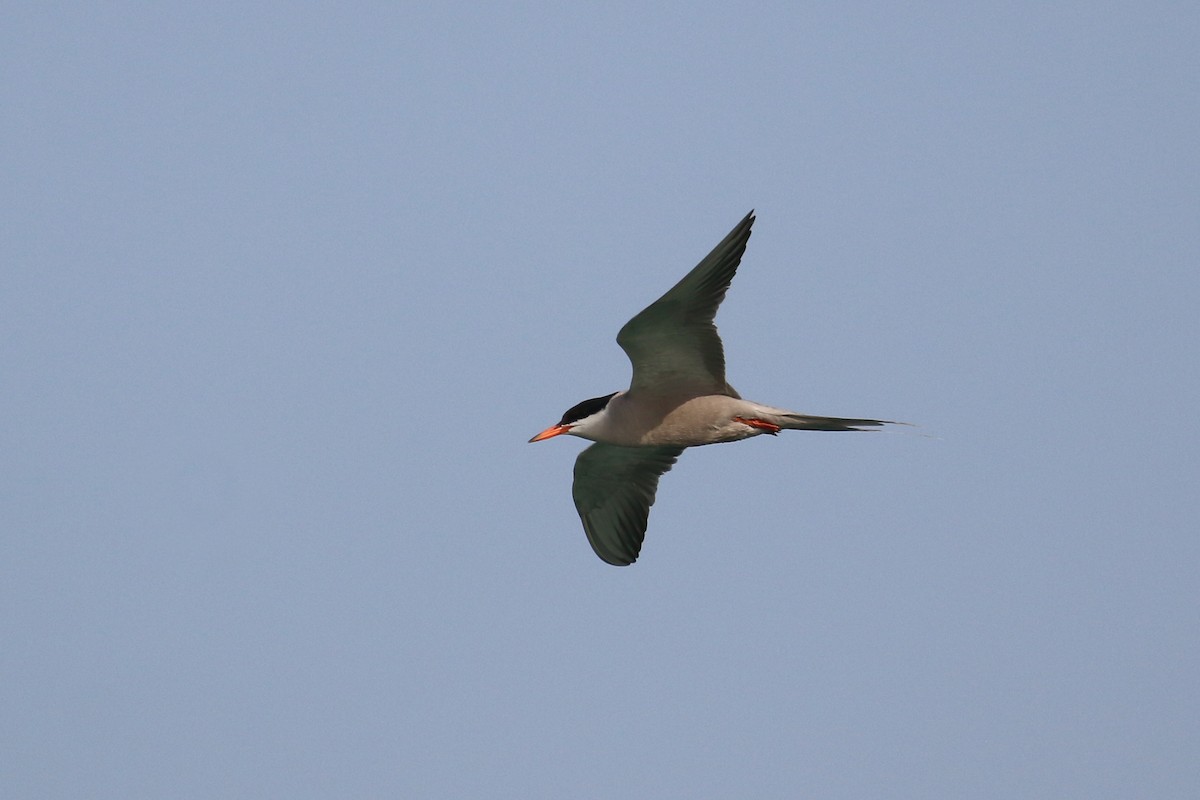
746 224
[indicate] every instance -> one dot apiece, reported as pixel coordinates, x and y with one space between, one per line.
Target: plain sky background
285 288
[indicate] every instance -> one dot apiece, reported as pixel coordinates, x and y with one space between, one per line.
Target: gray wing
613 490
673 342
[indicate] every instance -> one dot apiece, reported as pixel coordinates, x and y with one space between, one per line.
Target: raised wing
613 490
673 344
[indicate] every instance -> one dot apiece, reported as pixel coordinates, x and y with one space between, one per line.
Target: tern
678 398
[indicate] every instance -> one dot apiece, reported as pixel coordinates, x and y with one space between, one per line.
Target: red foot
761 424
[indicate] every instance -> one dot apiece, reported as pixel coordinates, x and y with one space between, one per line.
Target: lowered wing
613 490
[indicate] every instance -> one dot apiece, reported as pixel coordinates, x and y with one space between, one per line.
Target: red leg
761 424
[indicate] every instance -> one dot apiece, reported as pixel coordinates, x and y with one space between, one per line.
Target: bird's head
579 419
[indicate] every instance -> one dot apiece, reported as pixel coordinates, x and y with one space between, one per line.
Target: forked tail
807 422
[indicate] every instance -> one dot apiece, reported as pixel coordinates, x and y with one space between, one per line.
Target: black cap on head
584 409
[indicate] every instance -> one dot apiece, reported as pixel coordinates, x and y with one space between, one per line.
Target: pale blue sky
284 290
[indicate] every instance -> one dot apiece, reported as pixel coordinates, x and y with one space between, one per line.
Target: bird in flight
678 398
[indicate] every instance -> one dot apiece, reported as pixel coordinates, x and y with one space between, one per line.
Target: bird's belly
717 434
699 421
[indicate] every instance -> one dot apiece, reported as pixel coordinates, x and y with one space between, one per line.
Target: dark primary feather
673 342
613 490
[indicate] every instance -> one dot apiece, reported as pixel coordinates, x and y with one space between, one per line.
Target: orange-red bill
552 431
